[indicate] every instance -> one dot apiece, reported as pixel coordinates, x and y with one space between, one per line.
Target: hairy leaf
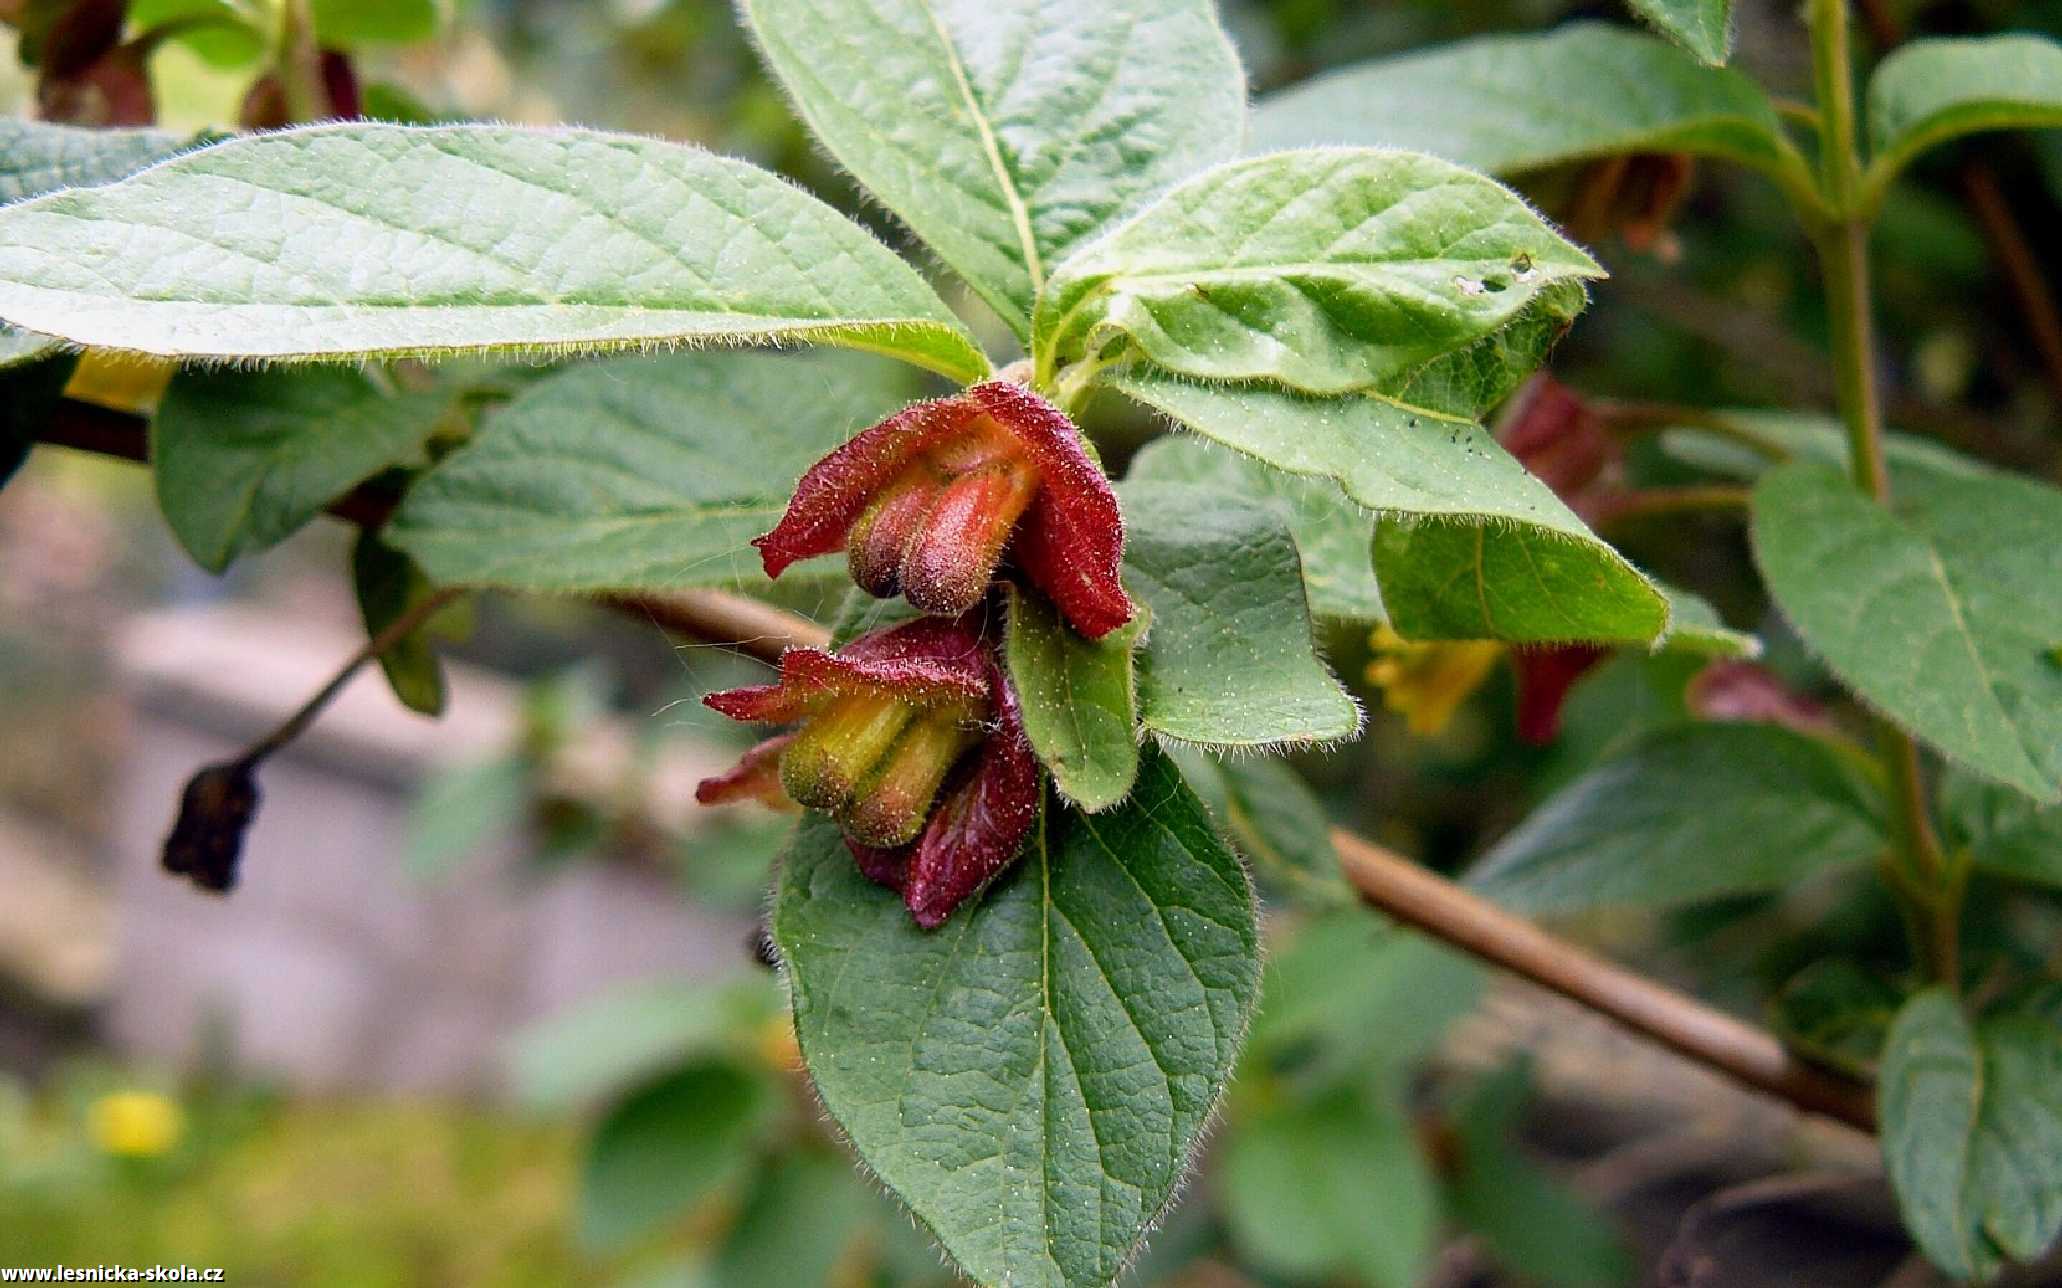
1507 104
1079 700
1929 91
244 459
1972 1133
1704 27
1031 1078
1229 659
1332 533
1946 610
1008 134
1471 545
1686 813
38 157
1325 270
360 240
638 473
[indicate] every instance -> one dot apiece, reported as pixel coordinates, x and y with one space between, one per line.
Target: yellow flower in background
1426 683
121 382
135 1124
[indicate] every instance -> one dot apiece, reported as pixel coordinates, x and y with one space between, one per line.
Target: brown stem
397 630
1400 888
2029 286
1643 503
1684 1025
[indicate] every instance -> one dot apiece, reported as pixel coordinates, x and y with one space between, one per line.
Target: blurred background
488 1007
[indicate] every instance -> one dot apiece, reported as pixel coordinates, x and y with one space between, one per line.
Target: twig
2030 289
1396 886
1642 503
395 631
1684 1025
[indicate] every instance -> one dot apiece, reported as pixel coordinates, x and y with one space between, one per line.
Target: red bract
929 501
1545 675
910 738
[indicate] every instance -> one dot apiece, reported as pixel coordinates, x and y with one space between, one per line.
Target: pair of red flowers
910 737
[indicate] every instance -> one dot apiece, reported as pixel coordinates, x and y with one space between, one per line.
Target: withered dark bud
207 838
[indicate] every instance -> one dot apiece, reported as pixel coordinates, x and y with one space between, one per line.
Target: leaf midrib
991 147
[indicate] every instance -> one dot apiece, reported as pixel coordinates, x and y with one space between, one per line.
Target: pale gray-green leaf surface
1686 813
1471 545
1229 658
243 459
1945 611
1929 91
37 157
1008 132
1032 1077
348 241
1079 699
1972 1133
638 473
1325 270
1704 27
1507 104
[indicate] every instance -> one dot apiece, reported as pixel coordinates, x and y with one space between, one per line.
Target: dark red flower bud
1545 676
928 502
206 843
910 738
1635 196
1562 440
1744 691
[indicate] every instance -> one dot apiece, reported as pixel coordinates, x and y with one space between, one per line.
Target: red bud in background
1545 677
1744 691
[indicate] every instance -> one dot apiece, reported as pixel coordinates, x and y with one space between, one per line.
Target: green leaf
799 1219
1352 999
27 393
1504 104
1837 1013
1079 700
1007 137
597 1047
2004 832
666 1148
1946 610
1704 27
227 38
348 24
1471 545
1930 91
37 157
1326 270
1972 1133
1534 1226
364 240
1229 660
1032 1078
244 459
1276 819
638 473
389 584
1687 813
1469 382
1329 1187
1694 626
1332 533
